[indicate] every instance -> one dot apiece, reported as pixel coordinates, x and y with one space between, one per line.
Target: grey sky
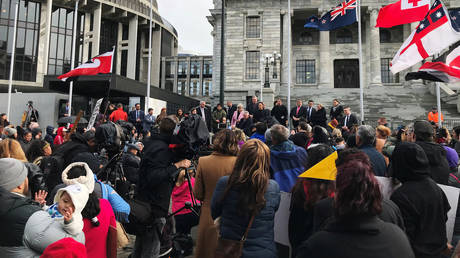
189 19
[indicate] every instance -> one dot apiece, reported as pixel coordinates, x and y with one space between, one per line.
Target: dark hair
92 207
304 125
339 140
167 126
457 130
401 130
218 104
346 107
261 128
137 104
351 141
349 154
150 109
225 142
308 191
320 135
336 100
119 105
357 190
35 149
311 101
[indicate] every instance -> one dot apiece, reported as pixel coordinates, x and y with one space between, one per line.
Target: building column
120 48
163 72
96 30
175 66
43 48
324 61
156 55
132 48
376 76
201 76
189 63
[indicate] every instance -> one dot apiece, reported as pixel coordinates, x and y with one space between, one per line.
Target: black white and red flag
97 65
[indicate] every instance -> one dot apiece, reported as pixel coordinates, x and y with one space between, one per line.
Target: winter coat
379 165
245 125
210 170
260 241
97 236
261 116
280 113
230 111
217 115
72 148
300 139
158 174
236 118
131 164
438 164
258 136
422 202
336 113
287 162
319 118
358 237
49 137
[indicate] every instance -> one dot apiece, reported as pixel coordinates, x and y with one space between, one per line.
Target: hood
78 138
49 130
410 163
60 131
79 195
285 150
452 157
87 180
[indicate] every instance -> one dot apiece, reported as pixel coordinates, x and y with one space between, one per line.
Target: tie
346 121
137 114
309 113
297 113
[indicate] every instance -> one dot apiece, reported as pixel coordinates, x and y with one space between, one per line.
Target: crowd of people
57 194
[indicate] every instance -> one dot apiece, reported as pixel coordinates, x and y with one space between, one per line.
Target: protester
231 108
37 133
180 114
185 219
356 231
25 140
240 137
248 199
210 169
287 161
148 122
423 204
303 136
245 123
298 113
319 116
28 229
320 136
205 113
137 117
382 133
118 114
4 120
10 148
365 139
65 248
336 111
305 194
158 174
455 142
217 117
348 121
253 106
259 132
261 114
11 133
280 112
38 149
49 137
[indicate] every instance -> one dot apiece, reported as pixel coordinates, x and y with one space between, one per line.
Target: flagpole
147 98
438 99
360 49
289 63
72 64
10 82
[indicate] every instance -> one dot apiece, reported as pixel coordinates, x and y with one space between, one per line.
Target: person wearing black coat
136 117
280 112
131 163
231 108
261 114
298 113
253 106
205 114
319 116
336 111
422 202
158 172
245 124
310 111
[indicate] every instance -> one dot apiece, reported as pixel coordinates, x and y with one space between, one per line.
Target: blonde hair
10 148
383 131
336 133
240 135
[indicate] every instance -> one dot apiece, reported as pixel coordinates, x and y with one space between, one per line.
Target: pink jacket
236 119
180 195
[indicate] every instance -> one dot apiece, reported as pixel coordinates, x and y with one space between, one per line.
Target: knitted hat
12 173
423 127
87 180
79 195
10 131
65 248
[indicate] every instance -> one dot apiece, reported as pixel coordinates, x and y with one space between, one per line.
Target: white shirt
203 116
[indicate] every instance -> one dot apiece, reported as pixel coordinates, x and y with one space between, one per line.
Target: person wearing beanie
28 230
11 133
65 248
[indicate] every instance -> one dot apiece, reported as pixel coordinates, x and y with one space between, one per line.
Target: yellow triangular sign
325 169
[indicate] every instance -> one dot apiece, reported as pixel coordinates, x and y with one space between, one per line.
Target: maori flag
97 65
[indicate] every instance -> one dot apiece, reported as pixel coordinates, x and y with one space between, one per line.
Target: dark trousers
148 244
185 222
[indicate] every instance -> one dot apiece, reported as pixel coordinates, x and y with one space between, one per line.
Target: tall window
344 36
387 75
181 89
253 27
195 68
60 54
169 73
207 68
207 86
109 35
194 89
124 62
25 65
252 65
182 68
305 72
167 40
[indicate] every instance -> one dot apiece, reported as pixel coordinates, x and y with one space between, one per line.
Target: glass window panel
20 40
52 69
386 74
62 17
70 20
31 12
22 11
60 48
305 72
68 47
53 45
10 42
3 37
252 65
5 9
55 18
253 27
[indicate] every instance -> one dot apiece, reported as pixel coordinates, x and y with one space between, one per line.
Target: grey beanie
10 131
12 173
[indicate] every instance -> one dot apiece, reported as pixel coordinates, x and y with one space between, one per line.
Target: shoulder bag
227 248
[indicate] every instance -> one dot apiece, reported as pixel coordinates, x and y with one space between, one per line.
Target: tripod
193 206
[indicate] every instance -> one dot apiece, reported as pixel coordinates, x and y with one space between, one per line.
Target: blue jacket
287 162
260 241
377 160
257 136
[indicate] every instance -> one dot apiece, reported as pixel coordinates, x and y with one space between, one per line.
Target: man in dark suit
279 111
253 106
205 114
298 113
336 110
348 120
136 117
310 111
231 108
64 111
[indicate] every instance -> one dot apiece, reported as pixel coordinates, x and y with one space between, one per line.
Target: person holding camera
158 172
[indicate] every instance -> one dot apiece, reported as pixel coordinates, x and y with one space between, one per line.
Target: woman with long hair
356 231
180 114
210 169
248 192
161 116
305 194
37 149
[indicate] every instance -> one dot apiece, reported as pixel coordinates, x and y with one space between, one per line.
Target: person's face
151 112
138 107
240 108
318 107
133 151
261 106
65 204
299 103
28 137
229 103
194 112
434 111
180 112
47 151
202 104
335 103
246 116
141 147
38 136
454 134
347 111
219 107
310 104
4 117
254 100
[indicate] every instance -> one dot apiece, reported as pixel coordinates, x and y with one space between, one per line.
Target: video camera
190 135
112 136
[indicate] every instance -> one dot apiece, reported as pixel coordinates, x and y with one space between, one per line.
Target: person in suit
64 111
348 121
280 112
298 113
149 121
336 110
231 108
310 111
319 116
262 114
136 117
205 114
252 108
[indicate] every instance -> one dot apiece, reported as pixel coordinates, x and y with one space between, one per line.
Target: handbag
122 236
228 248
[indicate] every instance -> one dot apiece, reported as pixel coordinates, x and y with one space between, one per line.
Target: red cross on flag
402 12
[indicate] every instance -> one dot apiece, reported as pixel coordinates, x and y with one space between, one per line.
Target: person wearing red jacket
118 114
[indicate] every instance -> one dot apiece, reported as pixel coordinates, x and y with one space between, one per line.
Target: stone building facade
324 65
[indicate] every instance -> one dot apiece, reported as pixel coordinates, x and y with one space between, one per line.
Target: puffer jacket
438 163
260 241
287 162
36 178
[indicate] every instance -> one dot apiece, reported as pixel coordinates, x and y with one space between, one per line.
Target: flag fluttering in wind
435 33
325 169
97 65
342 15
402 12
448 72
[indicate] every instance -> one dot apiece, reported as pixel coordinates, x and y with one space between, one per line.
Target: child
185 219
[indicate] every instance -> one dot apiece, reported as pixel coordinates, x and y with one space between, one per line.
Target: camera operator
158 174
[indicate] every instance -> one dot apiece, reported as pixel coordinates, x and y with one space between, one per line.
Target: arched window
344 36
306 38
385 36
